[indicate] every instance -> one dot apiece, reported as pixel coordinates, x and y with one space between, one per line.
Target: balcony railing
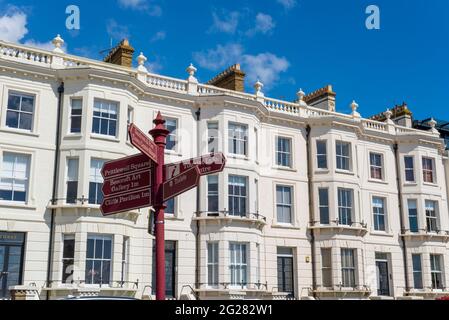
226 214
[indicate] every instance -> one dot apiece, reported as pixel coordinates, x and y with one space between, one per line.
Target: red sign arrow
142 142
181 183
127 183
124 166
208 164
126 202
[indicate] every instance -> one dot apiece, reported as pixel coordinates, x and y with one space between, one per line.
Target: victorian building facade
312 203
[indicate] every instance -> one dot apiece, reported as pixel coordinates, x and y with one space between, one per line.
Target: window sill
19 131
171 217
173 153
289 169
410 184
349 173
378 181
104 138
73 136
12 205
238 156
382 233
428 184
322 171
284 226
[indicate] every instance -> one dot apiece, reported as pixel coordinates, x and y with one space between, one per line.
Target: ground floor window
99 259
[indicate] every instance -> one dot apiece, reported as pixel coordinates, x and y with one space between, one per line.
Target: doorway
383 274
11 261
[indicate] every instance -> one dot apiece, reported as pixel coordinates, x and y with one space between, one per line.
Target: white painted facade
141 95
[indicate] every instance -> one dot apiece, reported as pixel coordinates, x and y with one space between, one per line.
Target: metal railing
225 214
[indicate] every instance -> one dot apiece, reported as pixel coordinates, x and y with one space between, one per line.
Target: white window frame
376 167
102 260
324 155
213 264
377 213
72 179
110 104
285 155
72 116
215 194
343 206
240 136
98 179
213 136
408 169
434 272
340 158
21 94
349 270
65 237
26 179
322 206
238 264
173 134
415 271
432 171
326 268
280 203
435 226
239 196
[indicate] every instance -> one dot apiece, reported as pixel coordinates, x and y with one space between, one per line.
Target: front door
383 281
170 269
285 271
11 261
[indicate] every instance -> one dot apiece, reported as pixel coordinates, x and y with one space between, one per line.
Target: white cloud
264 24
142 5
117 31
267 67
13 25
160 35
287 4
220 57
227 24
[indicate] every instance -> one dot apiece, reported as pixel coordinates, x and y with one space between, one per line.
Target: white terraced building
312 204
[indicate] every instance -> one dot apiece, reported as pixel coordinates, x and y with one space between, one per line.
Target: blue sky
289 44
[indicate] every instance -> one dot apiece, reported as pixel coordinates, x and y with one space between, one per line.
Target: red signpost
142 142
142 181
208 164
181 183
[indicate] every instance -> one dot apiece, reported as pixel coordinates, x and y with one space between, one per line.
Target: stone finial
300 94
258 86
58 42
191 70
141 59
388 114
432 123
354 107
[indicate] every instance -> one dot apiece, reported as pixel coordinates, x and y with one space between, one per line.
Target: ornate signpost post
143 180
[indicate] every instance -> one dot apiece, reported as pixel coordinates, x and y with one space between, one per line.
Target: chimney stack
323 98
400 114
232 78
121 55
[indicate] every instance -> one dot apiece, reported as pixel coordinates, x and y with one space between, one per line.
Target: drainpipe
55 185
198 208
311 208
401 216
